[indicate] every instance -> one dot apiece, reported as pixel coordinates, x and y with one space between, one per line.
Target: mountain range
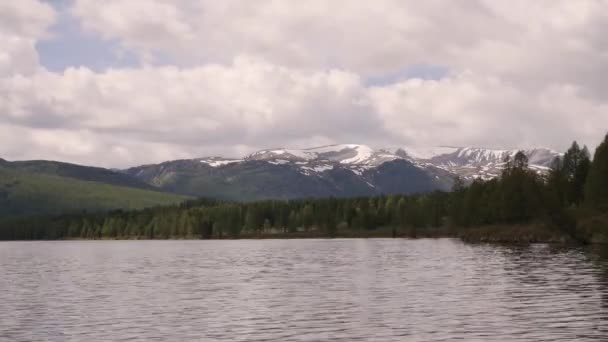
344 170
336 170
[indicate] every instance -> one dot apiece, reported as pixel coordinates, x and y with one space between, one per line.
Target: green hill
29 193
85 173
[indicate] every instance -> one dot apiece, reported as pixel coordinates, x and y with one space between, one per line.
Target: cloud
361 36
530 43
249 102
22 23
229 77
472 109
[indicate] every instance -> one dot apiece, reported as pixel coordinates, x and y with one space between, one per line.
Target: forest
567 203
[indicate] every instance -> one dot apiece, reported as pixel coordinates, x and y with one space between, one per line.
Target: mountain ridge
75 171
467 162
340 170
26 193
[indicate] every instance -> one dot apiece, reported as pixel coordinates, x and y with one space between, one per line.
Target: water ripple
301 290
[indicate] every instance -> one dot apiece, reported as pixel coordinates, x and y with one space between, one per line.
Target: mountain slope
335 170
338 170
28 193
388 178
471 163
345 170
85 173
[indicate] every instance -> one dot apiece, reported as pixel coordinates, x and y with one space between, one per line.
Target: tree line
573 190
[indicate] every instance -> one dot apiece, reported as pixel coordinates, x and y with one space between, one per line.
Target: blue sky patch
422 71
70 46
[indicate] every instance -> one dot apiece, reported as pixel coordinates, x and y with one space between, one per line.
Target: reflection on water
301 290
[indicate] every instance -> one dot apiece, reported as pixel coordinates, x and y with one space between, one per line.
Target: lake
301 290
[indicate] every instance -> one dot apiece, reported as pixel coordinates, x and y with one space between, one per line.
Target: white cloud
366 37
510 37
22 23
249 102
471 109
229 77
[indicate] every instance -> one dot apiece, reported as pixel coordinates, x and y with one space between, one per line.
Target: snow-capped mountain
339 170
355 157
467 162
346 154
471 163
336 170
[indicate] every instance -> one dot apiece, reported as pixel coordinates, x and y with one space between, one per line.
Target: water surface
300 290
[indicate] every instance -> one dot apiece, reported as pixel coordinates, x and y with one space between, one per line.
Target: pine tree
520 161
307 216
596 188
557 184
185 225
292 222
331 226
575 166
572 158
252 223
577 192
108 229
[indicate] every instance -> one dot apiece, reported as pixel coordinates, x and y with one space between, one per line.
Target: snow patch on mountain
472 156
218 161
279 162
347 154
481 163
284 154
317 168
467 162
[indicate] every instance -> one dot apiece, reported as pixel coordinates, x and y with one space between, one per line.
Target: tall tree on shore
520 191
576 163
307 216
557 184
596 188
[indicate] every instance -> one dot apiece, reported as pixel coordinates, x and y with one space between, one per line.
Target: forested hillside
570 203
80 172
24 193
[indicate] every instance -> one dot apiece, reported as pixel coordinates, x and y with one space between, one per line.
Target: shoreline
511 234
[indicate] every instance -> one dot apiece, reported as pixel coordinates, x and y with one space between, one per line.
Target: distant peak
467 161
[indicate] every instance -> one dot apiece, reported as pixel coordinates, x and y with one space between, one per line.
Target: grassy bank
594 227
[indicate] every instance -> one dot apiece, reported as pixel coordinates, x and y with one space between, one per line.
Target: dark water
300 290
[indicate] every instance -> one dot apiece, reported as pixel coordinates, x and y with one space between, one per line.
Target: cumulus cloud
249 102
229 77
357 35
515 38
22 23
478 110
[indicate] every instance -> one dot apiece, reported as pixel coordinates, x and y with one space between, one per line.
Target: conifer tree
575 166
596 188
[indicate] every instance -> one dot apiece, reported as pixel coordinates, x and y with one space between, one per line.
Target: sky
118 83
